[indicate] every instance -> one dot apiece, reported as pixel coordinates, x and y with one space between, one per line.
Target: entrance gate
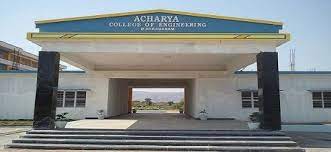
144 44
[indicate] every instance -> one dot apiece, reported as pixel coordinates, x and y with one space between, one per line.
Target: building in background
15 58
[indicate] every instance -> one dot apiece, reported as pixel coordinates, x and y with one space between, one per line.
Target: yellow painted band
106 36
159 11
110 33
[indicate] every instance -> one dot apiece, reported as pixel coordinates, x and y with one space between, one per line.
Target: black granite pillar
268 90
46 94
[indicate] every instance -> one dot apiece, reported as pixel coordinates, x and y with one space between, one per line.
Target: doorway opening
149 113
156 100
160 96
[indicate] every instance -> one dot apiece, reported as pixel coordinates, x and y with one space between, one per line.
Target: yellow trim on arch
159 11
186 36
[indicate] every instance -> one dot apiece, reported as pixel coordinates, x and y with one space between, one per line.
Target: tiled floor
170 121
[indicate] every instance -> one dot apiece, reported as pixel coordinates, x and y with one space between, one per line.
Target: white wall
112 98
297 100
17 94
96 98
118 97
219 96
221 99
190 98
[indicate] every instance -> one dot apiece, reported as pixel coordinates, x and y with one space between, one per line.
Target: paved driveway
7 134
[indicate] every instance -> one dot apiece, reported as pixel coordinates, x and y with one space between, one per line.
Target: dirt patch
16 122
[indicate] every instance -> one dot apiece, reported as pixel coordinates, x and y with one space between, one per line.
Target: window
3 67
246 99
327 99
255 99
59 99
317 100
2 54
69 99
250 99
321 99
81 99
34 64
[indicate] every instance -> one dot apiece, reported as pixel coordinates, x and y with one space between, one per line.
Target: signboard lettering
157 23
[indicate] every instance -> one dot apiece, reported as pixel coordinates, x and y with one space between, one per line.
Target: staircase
157 140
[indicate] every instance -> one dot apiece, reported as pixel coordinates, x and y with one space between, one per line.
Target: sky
159 89
308 21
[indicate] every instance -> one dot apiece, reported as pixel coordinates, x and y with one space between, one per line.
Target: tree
180 105
148 101
170 103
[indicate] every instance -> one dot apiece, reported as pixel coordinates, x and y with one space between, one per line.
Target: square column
130 100
46 94
268 90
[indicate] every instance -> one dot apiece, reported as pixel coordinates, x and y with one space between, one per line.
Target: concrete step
155 137
161 132
159 142
155 147
156 140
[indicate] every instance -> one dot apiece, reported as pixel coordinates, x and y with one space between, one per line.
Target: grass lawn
15 122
